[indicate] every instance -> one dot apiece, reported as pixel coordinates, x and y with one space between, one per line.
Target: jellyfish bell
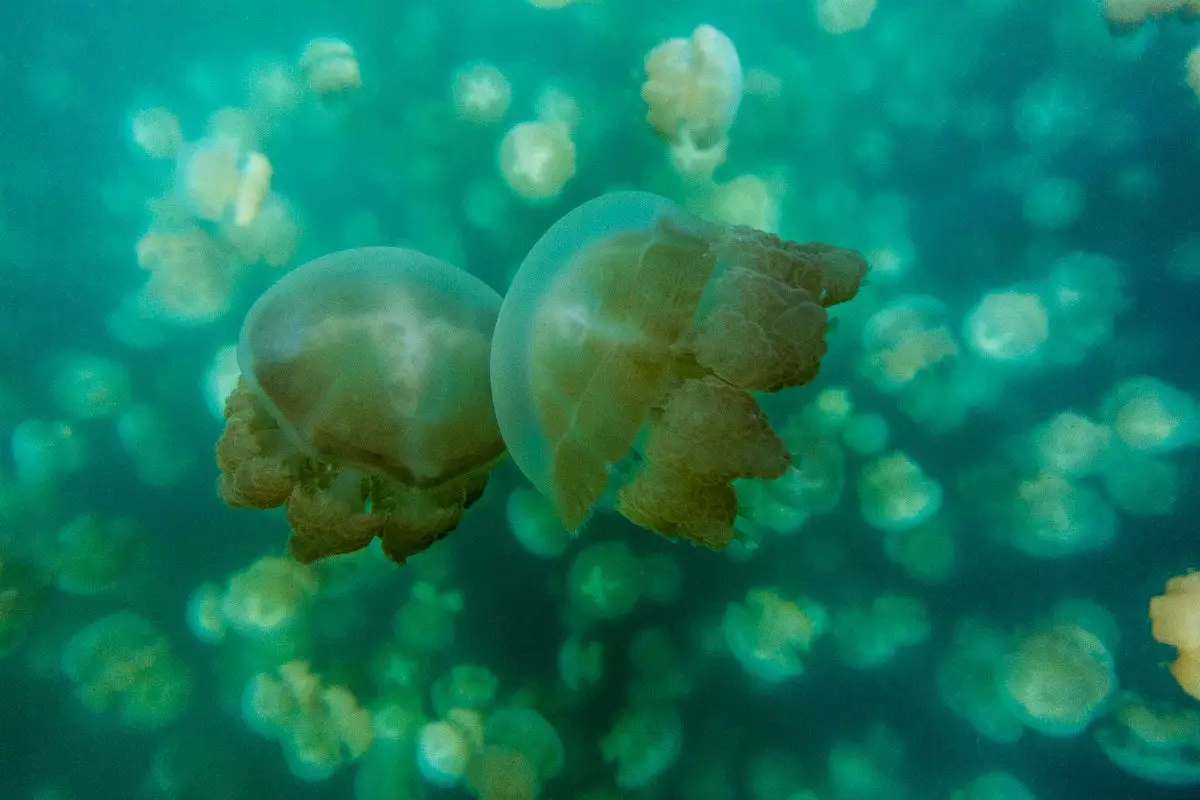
365 403
627 349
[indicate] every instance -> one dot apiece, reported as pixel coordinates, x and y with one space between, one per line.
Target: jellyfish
330 67
364 404
627 350
1155 741
481 93
693 87
1175 615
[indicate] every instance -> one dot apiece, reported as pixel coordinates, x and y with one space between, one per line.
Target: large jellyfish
364 405
628 347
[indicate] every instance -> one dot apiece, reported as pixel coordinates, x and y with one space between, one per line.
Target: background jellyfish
364 404
628 345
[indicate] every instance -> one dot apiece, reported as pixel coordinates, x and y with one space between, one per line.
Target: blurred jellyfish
44 451
967 683
320 727
481 93
1140 484
160 457
96 555
1054 517
156 132
589 380
868 769
268 597
1152 416
1052 204
205 617
1057 678
220 379
534 524
866 434
192 276
1070 444
1083 295
536 159
925 552
1007 326
330 67
768 634
904 339
91 387
580 663
844 16
869 638
1157 742
121 663
466 686
444 749
605 581
425 623
994 786
643 744
895 493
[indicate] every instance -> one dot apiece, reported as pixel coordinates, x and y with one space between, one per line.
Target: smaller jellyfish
628 349
1052 516
268 597
1152 416
364 404
466 686
994 786
1175 616
93 555
91 387
844 16
605 581
967 685
444 750
869 638
151 438
1057 678
643 744
896 494
1070 444
156 132
1051 204
536 159
768 633
693 87
1155 741
320 727
46 450
866 434
330 67
534 524
1007 326
122 664
481 93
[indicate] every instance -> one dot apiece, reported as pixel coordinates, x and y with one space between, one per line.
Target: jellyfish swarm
629 344
364 403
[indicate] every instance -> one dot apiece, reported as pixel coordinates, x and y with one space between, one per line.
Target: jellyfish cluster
380 385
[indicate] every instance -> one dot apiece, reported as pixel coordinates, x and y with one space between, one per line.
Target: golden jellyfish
1175 616
330 67
537 159
628 348
364 404
693 87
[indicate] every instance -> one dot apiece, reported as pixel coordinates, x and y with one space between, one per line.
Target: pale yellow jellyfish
536 159
693 87
769 634
320 727
330 67
1057 678
1152 416
157 132
896 494
481 93
628 348
1176 621
1070 444
1008 326
1155 741
844 16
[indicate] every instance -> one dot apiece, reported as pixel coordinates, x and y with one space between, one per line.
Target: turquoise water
994 471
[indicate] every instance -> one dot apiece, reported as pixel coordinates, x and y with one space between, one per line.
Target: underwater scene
600 399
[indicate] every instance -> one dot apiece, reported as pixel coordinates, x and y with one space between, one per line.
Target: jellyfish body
629 344
365 404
